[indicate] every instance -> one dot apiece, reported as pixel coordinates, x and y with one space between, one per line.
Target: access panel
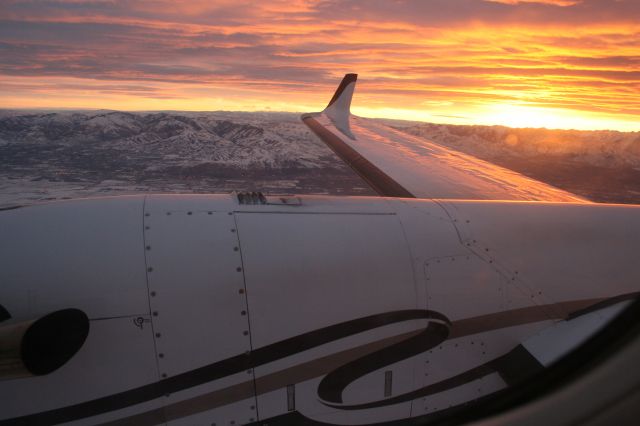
199 314
326 291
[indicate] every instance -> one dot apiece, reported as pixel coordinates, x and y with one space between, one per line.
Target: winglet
339 108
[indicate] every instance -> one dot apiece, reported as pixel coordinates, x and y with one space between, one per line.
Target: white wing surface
396 164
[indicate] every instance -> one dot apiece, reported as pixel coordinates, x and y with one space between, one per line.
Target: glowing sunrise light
551 118
523 63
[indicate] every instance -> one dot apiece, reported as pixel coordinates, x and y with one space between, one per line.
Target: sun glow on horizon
553 118
184 97
516 116
510 115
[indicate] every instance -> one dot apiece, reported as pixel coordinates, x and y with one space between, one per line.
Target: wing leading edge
396 164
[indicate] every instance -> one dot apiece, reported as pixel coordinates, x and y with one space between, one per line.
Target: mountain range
48 155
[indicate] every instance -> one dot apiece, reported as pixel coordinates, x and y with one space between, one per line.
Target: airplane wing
396 164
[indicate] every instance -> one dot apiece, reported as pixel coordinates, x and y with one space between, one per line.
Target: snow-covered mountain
603 166
233 139
53 155
603 148
49 155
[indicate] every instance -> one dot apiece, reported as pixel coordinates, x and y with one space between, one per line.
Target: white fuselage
345 310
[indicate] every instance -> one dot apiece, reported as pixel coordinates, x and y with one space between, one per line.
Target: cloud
562 3
451 57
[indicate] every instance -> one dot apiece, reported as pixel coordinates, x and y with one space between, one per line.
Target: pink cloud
462 52
562 3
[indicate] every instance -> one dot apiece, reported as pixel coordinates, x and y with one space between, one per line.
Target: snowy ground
603 166
59 155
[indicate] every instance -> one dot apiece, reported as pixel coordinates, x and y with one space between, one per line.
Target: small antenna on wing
339 108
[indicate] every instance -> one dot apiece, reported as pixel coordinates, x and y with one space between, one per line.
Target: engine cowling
43 345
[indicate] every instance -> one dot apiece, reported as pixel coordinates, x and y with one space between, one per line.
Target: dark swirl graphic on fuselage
436 331
333 384
339 369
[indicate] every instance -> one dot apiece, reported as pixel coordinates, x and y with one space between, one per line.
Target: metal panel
309 271
464 286
198 305
83 254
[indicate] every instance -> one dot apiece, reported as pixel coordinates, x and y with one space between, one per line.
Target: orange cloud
552 2
465 60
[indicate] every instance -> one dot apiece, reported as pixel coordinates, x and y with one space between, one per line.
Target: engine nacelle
41 346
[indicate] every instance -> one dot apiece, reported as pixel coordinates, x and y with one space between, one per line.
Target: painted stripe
270 382
378 180
333 384
318 367
298 419
222 368
512 367
521 316
325 365
508 366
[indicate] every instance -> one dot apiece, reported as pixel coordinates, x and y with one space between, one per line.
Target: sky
521 63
